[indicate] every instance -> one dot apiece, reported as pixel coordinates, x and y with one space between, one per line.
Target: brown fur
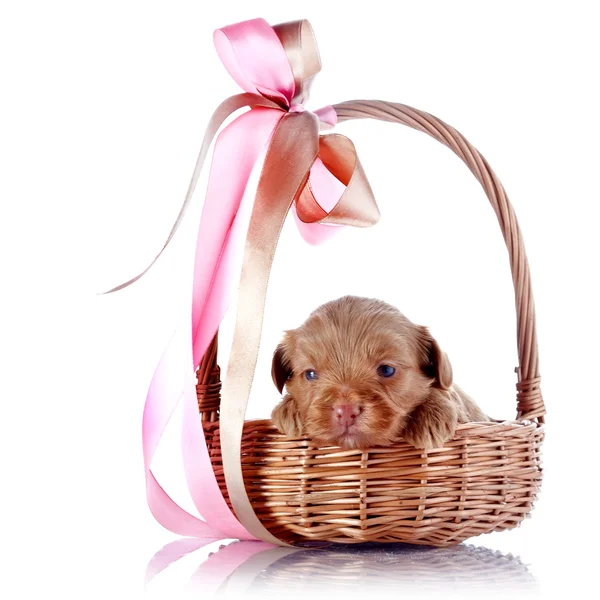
344 342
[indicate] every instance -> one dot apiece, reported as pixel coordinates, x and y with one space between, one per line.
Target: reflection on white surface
401 567
254 568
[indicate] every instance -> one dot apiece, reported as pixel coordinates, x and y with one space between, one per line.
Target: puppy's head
356 369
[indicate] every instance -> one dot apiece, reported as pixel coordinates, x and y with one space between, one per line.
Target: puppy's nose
346 414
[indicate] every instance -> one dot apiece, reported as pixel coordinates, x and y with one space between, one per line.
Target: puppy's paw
432 423
286 417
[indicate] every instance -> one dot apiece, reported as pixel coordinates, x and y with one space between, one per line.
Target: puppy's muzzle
345 415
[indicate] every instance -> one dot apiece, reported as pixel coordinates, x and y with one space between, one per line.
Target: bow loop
278 62
356 204
300 46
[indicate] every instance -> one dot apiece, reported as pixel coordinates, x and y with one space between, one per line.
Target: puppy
359 374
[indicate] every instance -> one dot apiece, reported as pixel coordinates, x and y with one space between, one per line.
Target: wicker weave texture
484 480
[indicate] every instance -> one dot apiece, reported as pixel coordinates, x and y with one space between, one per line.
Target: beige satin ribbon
300 45
223 111
294 147
293 150
356 206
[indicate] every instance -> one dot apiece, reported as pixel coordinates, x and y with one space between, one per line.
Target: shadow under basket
485 479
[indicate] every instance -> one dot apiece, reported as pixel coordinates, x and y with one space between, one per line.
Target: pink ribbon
255 57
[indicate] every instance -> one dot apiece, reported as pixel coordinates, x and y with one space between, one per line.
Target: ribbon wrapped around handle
320 179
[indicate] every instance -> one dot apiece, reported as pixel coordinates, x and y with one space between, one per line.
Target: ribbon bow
267 161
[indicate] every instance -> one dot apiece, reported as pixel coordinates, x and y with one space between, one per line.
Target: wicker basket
485 479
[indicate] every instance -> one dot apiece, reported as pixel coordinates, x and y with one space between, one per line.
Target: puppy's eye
310 374
385 370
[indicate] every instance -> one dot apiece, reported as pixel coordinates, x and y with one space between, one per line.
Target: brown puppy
358 374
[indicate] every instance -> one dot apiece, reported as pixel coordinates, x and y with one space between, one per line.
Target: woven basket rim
523 428
497 424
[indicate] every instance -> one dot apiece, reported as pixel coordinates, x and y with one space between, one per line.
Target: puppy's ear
435 363
281 369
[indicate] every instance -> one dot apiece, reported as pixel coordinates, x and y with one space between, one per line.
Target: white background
103 106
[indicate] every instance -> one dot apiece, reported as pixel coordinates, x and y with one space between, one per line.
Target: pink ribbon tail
218 259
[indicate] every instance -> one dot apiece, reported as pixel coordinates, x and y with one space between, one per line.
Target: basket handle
530 404
208 385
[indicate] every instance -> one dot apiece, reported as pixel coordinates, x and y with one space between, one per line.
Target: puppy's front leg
433 422
286 417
